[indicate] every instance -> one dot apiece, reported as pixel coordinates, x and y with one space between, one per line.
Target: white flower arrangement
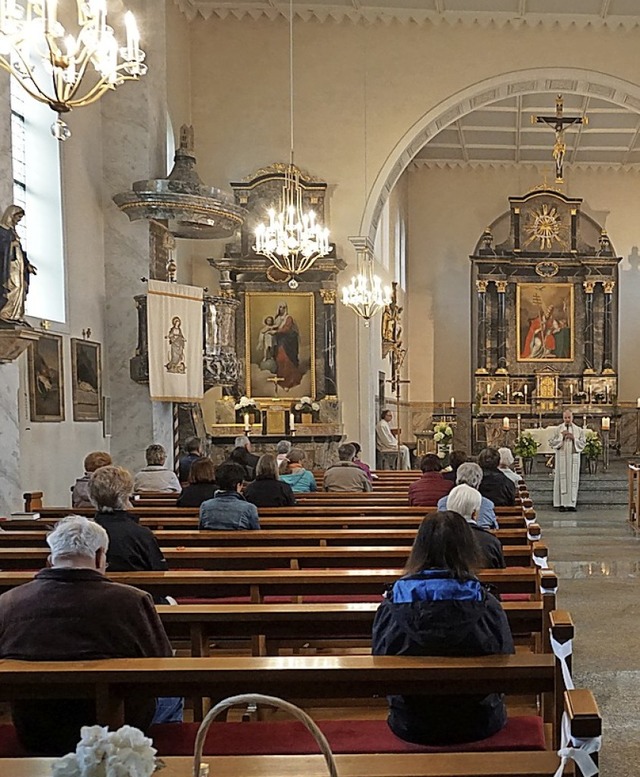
126 752
246 403
306 403
441 431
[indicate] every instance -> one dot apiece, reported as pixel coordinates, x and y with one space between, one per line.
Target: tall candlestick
526 391
506 423
584 421
292 423
606 423
508 392
453 403
247 426
519 424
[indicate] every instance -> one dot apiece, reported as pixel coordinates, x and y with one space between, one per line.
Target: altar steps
603 490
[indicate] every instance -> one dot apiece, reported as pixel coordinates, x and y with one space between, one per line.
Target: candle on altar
506 423
606 394
526 391
584 421
571 392
519 424
292 423
247 425
606 423
590 393
638 402
453 403
488 389
508 392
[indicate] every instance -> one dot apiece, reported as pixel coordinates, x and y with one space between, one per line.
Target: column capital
588 286
501 286
608 286
481 286
328 296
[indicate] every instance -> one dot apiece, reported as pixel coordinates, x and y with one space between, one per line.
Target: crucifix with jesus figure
558 123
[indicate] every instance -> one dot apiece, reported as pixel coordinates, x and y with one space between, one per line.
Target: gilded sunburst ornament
546 226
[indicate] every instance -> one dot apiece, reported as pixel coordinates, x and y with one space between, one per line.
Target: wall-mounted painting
46 379
280 344
86 382
545 322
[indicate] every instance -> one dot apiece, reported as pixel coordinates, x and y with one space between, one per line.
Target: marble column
588 286
134 120
607 329
501 348
10 490
481 357
329 345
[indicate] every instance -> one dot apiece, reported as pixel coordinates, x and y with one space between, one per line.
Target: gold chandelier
292 240
62 70
365 294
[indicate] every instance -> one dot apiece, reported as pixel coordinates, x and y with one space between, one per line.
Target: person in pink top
363 466
431 486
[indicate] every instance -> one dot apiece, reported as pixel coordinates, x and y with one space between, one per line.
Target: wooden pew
110 681
256 585
531 764
203 538
269 627
292 557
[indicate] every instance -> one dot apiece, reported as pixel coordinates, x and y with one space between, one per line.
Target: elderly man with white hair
506 462
470 474
466 501
71 611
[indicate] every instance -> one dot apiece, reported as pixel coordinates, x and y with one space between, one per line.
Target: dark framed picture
86 380
46 379
280 344
545 322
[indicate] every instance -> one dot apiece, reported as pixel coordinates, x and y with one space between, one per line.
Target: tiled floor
597 558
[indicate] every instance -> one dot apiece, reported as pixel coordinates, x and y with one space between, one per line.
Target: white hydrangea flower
66 767
438 436
315 406
448 431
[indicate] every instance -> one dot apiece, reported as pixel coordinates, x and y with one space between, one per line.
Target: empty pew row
109 682
203 538
292 557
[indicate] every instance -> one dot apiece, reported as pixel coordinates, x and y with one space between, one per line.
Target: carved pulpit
544 315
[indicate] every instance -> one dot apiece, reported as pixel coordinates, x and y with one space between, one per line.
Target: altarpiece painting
280 344
545 322
86 385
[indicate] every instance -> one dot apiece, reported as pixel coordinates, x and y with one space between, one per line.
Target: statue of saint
15 269
177 343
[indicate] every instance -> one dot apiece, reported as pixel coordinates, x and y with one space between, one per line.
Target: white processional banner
174 334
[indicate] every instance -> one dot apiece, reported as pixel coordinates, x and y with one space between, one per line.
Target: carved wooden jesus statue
558 124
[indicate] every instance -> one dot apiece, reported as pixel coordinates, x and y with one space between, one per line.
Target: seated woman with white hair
470 474
506 462
466 501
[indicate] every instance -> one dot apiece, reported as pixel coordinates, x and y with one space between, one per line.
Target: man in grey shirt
346 476
154 477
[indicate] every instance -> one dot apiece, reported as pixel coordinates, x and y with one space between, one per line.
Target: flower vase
527 464
443 450
592 466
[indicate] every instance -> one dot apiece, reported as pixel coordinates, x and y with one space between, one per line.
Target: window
37 189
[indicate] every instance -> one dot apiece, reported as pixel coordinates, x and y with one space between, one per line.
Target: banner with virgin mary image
174 335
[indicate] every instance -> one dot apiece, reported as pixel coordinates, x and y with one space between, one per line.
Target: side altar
544 320
285 334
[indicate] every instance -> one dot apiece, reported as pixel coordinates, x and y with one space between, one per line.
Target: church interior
461 179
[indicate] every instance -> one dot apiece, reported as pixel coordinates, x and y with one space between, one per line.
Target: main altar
544 320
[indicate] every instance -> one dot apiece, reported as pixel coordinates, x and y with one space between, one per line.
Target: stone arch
555 79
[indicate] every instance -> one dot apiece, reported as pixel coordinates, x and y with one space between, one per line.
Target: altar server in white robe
568 441
386 441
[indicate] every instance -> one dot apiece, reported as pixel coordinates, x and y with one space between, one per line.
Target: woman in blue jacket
439 608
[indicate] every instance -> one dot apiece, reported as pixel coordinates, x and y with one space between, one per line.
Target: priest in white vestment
386 441
568 441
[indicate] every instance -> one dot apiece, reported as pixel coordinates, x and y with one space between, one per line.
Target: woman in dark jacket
439 608
267 490
432 486
201 486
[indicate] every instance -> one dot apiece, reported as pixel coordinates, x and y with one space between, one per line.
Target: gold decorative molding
608 286
481 286
588 286
328 296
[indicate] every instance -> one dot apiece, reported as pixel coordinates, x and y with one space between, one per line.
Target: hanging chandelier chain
291 127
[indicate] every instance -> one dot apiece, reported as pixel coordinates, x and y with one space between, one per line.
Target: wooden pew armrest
562 626
32 501
583 712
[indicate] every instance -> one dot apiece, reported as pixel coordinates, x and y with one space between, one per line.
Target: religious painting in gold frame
545 322
46 379
280 345
86 380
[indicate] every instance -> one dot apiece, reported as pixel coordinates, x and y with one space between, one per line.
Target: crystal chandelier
365 294
293 239
62 70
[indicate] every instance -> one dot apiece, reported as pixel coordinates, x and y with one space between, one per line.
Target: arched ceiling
502 134
610 13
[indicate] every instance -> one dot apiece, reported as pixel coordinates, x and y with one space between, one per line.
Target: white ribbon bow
578 750
562 651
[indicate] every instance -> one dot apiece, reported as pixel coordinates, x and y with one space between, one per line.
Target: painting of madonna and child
280 344
545 322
